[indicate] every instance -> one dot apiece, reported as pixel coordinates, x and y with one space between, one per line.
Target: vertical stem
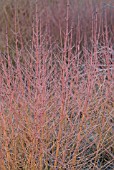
63 88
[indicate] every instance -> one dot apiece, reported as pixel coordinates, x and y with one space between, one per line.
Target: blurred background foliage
52 14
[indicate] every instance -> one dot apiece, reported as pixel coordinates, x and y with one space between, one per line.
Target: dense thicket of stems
56 86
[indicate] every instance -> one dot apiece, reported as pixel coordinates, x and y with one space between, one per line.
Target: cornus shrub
56 94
